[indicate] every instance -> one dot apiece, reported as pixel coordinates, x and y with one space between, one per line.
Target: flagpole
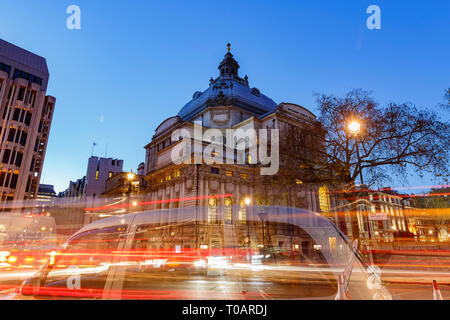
92 151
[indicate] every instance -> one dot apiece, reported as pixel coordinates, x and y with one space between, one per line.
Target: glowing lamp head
354 127
247 201
130 176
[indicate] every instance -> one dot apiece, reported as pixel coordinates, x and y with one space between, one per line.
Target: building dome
228 89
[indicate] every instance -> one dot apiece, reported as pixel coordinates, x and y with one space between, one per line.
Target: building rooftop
228 89
24 60
46 188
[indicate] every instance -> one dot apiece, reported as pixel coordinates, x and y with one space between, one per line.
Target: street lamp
355 128
130 178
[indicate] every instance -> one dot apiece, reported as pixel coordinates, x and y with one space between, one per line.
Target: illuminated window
229 173
168 177
96 175
176 174
244 175
298 181
228 210
242 212
249 159
324 200
160 180
110 174
212 210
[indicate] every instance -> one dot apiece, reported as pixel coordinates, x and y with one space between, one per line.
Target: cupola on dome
228 89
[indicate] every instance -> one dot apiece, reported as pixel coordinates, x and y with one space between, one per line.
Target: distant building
75 190
94 182
432 218
141 169
26 115
123 184
394 223
126 183
98 171
379 215
46 193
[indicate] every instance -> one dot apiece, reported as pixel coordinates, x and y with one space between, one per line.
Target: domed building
224 189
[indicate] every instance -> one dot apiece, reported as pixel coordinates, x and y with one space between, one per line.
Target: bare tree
395 139
447 96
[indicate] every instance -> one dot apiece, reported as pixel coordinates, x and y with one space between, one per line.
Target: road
403 284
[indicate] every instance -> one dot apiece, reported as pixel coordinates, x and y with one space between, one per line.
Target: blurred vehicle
175 254
27 240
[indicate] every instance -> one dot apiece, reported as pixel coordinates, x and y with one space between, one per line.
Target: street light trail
158 202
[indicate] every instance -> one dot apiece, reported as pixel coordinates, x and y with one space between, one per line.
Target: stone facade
27 114
227 195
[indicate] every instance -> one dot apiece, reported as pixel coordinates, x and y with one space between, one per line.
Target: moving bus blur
283 253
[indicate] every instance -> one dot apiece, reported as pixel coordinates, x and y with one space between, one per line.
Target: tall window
212 210
242 212
324 199
228 210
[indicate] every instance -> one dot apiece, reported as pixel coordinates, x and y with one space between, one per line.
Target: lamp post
130 178
354 128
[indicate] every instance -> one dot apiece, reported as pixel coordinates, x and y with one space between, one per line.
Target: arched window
324 199
242 212
212 209
228 210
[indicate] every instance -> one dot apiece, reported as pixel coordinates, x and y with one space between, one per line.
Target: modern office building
46 193
94 182
26 114
98 171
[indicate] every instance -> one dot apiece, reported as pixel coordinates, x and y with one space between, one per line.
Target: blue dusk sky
135 63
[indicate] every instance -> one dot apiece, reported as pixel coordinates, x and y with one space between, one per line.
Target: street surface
403 284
